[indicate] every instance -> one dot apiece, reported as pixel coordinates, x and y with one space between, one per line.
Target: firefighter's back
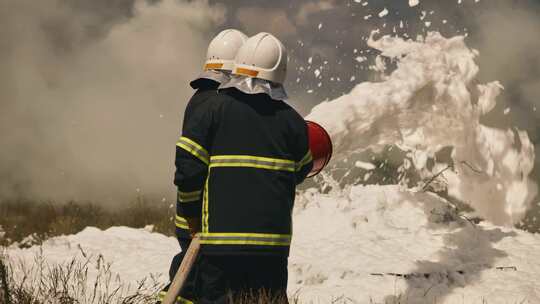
256 150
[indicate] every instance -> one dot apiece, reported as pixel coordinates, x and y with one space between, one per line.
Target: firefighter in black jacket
218 66
248 150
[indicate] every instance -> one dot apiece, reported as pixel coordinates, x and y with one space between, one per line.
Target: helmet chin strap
251 85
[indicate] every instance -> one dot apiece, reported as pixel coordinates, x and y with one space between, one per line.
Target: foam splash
429 102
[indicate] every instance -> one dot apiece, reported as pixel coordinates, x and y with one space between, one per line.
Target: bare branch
471 167
434 177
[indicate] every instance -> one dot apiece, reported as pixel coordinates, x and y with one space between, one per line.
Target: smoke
92 94
506 36
275 21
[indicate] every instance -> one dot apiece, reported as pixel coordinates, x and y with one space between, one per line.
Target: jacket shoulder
200 99
293 116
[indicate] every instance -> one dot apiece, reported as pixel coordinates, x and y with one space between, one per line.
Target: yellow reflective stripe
187 197
243 242
161 295
181 222
250 165
179 299
246 239
193 148
269 159
250 161
306 160
205 204
246 234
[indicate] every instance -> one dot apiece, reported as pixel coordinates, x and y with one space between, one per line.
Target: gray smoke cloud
92 94
509 51
506 38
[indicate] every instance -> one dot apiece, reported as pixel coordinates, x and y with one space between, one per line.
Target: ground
352 246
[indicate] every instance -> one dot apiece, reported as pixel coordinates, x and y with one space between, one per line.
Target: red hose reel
320 145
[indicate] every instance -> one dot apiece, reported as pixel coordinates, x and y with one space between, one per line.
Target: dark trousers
227 279
177 259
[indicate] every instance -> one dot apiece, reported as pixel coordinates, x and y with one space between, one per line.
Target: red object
320 145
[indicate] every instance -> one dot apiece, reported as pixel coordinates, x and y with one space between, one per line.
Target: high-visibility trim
179 299
181 222
205 204
306 160
246 72
213 66
189 197
246 239
252 162
193 148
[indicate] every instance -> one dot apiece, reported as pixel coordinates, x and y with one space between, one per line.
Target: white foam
364 165
134 254
413 3
361 59
364 234
429 102
346 243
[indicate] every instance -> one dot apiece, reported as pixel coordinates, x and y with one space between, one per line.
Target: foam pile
385 244
356 245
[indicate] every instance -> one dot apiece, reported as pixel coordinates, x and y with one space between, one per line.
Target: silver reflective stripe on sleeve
252 162
181 222
179 299
193 148
306 160
246 239
189 197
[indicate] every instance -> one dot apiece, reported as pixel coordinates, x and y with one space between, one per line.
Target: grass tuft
38 282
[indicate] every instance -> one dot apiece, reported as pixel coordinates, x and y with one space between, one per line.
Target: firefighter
251 149
217 69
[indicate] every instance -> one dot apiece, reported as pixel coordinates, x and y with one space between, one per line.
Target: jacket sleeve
192 158
302 154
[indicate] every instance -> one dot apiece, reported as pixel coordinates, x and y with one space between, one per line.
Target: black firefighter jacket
189 197
243 155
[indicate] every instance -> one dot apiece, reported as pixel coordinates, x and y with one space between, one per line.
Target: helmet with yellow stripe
223 49
262 56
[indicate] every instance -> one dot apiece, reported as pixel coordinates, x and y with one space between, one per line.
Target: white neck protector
250 85
215 75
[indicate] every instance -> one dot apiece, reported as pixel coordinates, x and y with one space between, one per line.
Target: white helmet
262 56
223 49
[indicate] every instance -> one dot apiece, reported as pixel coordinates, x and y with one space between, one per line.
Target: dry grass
30 222
260 297
37 282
